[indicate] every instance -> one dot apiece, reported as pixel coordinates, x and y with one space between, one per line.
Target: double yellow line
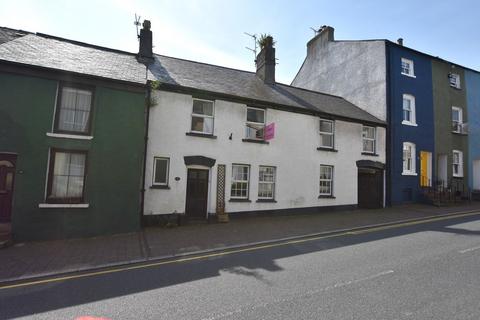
239 250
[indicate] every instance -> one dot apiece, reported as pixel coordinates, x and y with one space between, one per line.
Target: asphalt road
426 271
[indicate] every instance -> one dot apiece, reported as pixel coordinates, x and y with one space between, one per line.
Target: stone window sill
266 201
327 149
256 141
201 135
326 197
413 174
64 205
239 200
159 187
68 136
370 154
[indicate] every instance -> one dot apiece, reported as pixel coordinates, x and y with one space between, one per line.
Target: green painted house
72 137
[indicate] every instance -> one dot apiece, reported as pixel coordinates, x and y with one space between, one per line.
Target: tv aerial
254 50
137 24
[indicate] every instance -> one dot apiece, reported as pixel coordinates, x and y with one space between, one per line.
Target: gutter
147 120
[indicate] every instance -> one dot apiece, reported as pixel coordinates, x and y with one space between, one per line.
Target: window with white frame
327 132
457 119
409 159
266 182
160 171
73 110
240 181
202 116
368 137
407 67
66 176
326 180
454 80
409 109
255 125
457 163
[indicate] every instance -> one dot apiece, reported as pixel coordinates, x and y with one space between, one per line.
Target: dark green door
197 193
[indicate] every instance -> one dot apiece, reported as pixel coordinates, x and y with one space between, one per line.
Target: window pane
326 126
66 120
455 115
203 107
77 164
74 110
368 145
369 132
59 187
61 164
255 115
254 131
161 169
84 99
327 140
75 187
208 125
197 123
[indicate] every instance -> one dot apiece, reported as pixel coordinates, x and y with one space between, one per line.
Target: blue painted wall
402 186
472 84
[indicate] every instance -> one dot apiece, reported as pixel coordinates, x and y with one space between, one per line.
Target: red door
7 176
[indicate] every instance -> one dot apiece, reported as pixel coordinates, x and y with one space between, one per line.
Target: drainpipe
147 119
388 168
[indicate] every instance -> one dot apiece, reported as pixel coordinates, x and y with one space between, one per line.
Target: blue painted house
472 84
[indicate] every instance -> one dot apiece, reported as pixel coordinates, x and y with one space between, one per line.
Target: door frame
380 170
209 185
10 157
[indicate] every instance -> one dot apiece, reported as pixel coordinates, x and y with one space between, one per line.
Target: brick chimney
145 52
325 34
266 62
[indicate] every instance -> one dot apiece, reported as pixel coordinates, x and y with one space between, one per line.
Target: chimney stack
266 62
145 52
325 34
400 41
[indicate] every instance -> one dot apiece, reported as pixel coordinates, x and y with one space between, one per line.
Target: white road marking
296 297
469 249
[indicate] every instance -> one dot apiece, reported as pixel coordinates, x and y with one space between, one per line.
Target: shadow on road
36 299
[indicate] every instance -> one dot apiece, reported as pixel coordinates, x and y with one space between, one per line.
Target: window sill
159 187
326 197
460 133
68 136
327 149
408 123
256 141
239 200
202 135
64 205
456 88
370 154
458 177
409 75
413 174
266 201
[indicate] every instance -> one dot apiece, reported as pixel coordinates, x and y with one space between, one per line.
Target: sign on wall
270 131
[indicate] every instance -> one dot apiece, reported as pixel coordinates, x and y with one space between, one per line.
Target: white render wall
354 70
293 152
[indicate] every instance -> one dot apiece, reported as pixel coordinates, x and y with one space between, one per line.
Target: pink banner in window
270 131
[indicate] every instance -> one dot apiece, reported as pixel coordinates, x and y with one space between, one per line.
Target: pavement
416 270
41 259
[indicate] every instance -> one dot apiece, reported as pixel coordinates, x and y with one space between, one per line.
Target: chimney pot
145 52
325 35
400 41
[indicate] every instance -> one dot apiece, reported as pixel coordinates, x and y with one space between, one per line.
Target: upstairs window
255 125
266 183
66 176
73 110
368 137
409 159
202 116
454 80
457 120
407 67
326 133
326 180
408 109
240 181
457 163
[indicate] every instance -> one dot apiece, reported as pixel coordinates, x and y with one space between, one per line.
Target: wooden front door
7 177
425 169
197 193
370 188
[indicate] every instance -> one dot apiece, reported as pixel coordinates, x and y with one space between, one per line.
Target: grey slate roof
7 34
71 56
247 85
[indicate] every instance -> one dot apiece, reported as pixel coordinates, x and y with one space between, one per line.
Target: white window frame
267 182
329 181
374 139
258 124
246 197
197 115
167 173
72 88
411 70
413 117
456 80
457 124
322 133
413 169
459 164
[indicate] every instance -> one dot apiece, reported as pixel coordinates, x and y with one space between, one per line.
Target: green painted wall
114 167
444 97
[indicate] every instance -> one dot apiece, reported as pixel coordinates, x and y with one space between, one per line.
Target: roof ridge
83 44
17 30
312 91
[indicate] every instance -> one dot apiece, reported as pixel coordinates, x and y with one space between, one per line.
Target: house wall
472 87
114 166
406 188
444 97
293 152
354 70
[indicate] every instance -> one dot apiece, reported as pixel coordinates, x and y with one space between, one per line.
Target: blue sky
212 31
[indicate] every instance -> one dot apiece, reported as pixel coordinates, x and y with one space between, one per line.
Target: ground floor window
409 158
66 178
160 171
326 180
240 181
457 163
266 182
